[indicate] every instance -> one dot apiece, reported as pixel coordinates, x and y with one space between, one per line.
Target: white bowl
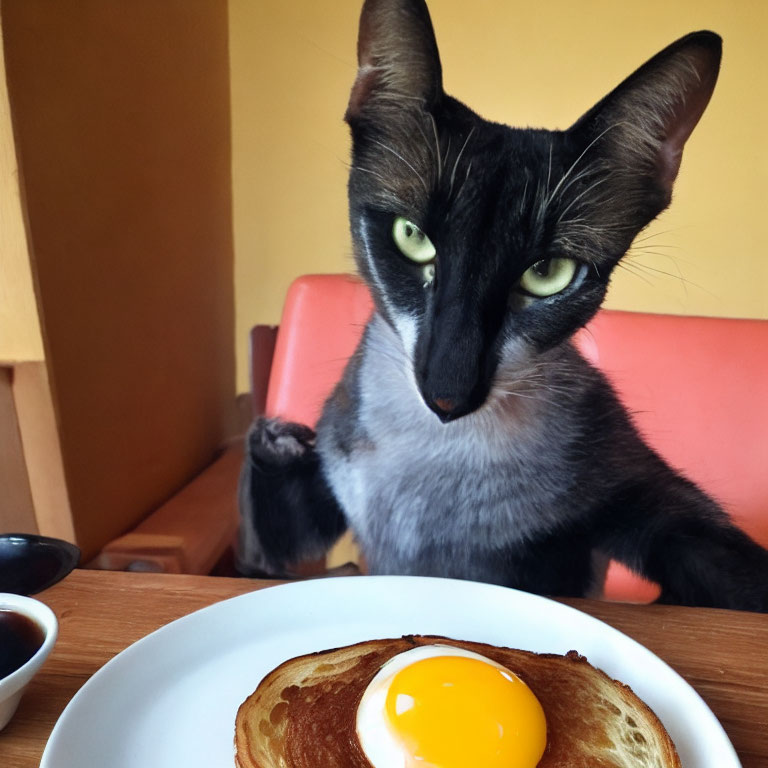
12 686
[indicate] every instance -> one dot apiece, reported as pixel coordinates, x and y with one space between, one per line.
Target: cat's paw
273 443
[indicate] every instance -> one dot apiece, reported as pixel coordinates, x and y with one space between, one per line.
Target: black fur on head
495 200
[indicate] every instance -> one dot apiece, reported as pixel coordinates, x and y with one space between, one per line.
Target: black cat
468 438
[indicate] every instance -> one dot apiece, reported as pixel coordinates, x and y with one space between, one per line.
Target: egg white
380 744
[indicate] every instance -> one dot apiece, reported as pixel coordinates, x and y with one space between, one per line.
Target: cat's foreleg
287 510
673 534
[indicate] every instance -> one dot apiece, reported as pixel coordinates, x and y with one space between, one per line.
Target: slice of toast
302 714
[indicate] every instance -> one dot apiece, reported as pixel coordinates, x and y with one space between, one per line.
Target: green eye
412 242
548 276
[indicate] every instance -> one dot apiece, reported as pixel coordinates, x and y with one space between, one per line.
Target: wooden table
722 654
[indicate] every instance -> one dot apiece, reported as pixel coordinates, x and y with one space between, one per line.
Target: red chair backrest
323 320
697 388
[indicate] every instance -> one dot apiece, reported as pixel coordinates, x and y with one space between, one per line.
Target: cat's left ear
647 119
397 56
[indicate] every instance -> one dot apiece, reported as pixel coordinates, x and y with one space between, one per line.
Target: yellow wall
538 64
20 336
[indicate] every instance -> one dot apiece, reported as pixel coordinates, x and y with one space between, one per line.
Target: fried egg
439 706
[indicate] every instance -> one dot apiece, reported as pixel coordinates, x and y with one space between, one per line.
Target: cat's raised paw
275 443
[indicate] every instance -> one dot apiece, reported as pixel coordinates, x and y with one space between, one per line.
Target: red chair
697 388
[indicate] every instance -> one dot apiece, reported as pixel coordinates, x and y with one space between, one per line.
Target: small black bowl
30 564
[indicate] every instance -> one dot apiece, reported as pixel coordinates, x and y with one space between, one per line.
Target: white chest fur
496 475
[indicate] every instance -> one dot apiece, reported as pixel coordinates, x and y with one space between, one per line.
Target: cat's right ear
397 57
647 119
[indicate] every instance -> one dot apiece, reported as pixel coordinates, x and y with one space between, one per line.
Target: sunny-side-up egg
438 706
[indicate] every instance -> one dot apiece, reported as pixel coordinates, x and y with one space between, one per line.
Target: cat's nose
445 404
446 408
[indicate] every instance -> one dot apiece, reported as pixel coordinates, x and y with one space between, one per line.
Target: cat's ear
647 119
397 56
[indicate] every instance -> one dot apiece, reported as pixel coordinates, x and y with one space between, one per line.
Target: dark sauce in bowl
20 639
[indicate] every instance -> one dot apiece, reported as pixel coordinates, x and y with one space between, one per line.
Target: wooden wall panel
42 450
17 514
121 111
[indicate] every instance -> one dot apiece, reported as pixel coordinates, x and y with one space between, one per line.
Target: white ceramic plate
170 699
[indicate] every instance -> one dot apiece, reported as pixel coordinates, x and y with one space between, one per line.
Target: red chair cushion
323 319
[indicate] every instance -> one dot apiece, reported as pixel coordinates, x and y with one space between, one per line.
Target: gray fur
412 486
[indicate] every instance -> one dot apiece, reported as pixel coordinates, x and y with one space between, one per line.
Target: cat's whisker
635 256
587 172
400 157
540 203
679 276
458 158
437 146
536 379
537 383
647 252
537 394
675 259
514 383
539 397
656 234
368 170
400 95
464 183
579 221
524 195
520 394
549 174
579 158
636 247
427 143
581 194
568 231
634 272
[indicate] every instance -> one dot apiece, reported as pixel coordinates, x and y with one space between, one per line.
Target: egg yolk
453 712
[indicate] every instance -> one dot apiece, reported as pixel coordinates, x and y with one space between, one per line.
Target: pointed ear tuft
397 55
648 118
